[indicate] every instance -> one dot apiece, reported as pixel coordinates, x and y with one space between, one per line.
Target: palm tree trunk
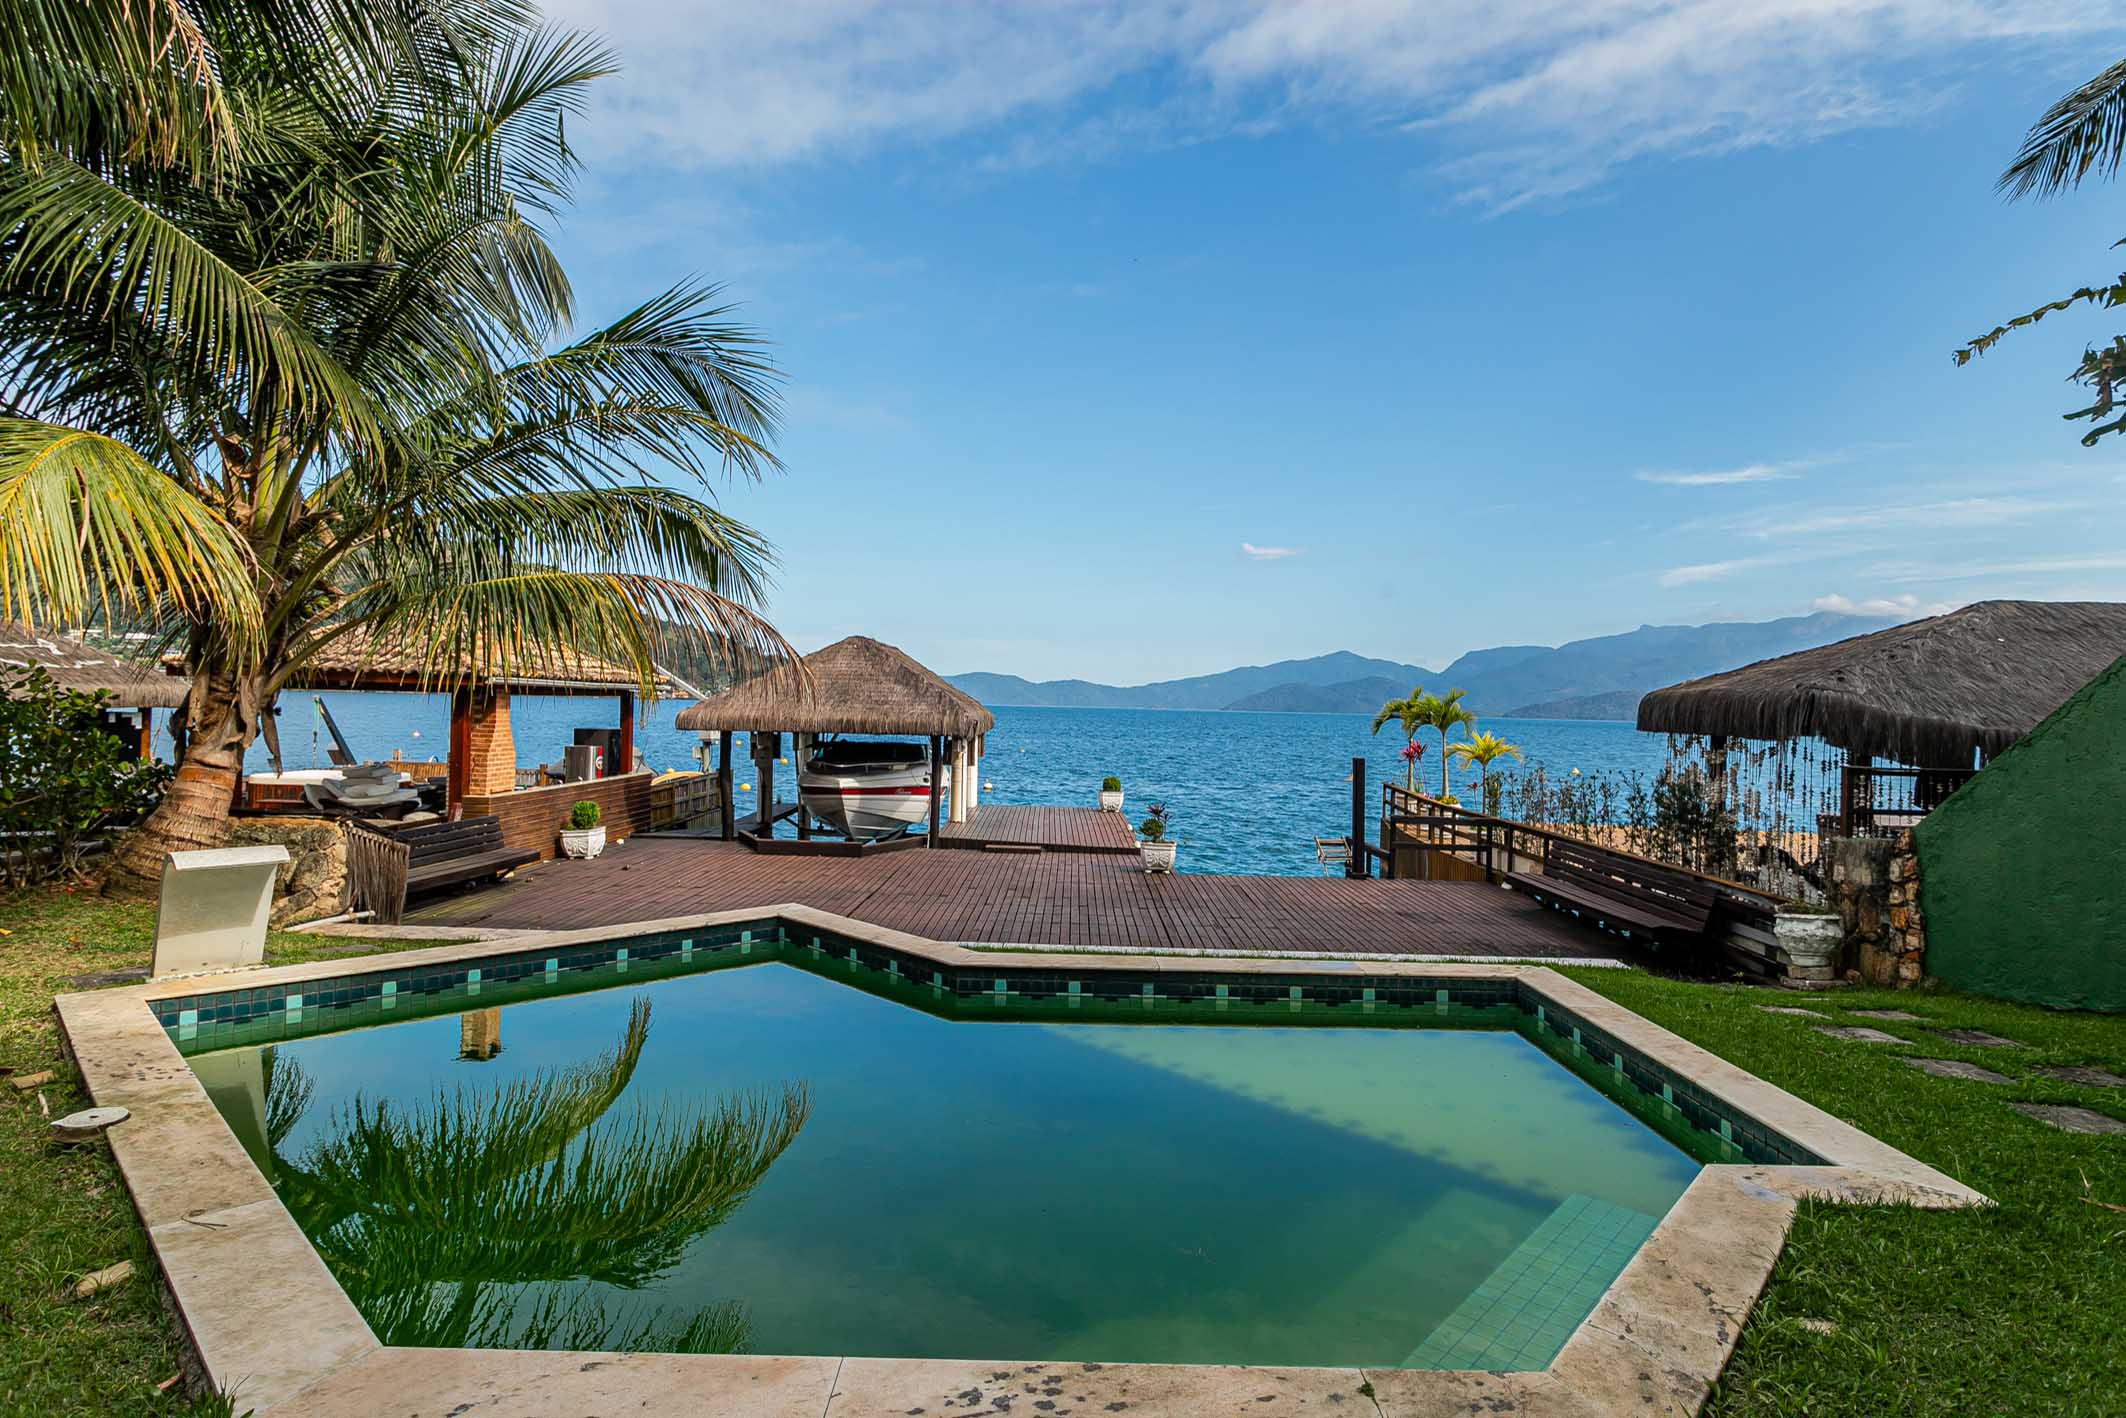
1444 790
1410 771
194 812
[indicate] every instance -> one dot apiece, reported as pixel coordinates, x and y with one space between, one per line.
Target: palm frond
2084 133
88 528
107 83
75 236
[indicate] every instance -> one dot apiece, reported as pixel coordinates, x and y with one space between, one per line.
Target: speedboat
866 789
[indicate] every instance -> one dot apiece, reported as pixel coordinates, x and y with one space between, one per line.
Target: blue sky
1129 342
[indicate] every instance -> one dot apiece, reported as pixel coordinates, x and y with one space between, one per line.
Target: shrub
1110 784
584 815
1156 819
63 781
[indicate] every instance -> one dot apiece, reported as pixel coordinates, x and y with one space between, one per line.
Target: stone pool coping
270 1324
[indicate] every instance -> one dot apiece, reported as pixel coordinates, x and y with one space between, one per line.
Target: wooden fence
1426 839
680 800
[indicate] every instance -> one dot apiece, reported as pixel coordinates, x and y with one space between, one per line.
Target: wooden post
766 749
147 733
627 734
460 746
1355 864
724 785
937 750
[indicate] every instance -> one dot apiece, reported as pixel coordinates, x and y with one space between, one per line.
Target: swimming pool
706 1148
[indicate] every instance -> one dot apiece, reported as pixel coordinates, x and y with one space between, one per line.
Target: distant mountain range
1600 678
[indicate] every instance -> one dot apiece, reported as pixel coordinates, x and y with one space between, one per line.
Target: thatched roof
357 660
854 686
1927 693
132 684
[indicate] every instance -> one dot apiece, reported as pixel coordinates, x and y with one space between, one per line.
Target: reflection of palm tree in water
461 1222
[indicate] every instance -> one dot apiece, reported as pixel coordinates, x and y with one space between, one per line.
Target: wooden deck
1048 898
1000 827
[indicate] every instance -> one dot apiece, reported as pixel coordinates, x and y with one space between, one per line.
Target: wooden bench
1621 892
440 854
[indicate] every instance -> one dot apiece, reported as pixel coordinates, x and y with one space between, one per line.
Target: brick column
490 751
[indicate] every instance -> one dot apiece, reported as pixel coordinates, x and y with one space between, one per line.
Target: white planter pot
1157 856
1111 802
1807 941
583 843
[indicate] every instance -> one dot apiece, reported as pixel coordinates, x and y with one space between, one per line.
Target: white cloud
1754 473
1529 98
1908 606
1709 571
1256 553
1968 512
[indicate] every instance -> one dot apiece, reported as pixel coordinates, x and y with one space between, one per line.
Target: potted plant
1154 848
1110 794
583 837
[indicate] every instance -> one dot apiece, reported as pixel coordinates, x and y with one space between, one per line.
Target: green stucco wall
2022 873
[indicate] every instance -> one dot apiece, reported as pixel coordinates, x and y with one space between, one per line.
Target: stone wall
1874 886
314 882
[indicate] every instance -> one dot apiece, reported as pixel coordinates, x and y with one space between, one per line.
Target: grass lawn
64 1213
2014 1309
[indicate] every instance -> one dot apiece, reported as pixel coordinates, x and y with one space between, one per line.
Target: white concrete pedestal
213 910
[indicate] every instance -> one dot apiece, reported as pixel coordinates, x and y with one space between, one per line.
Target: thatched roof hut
132 684
1928 693
854 686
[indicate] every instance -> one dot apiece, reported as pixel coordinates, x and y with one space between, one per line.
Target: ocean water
1249 793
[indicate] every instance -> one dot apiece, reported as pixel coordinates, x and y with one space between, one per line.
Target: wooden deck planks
1050 898
1053 829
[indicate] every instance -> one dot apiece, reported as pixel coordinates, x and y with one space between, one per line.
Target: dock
997 827
1086 899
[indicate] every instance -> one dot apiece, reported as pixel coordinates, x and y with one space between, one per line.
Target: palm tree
1445 715
1484 750
1405 712
288 361
472 1220
2082 134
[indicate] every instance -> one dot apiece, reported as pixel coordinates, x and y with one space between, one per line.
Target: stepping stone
2089 1077
1886 1014
1951 1068
1977 1039
1791 1009
2081 1120
1855 1035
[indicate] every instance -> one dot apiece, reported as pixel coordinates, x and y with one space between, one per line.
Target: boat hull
866 803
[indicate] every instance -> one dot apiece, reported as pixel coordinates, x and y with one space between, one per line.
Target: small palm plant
1405 712
1445 715
1483 750
485 1218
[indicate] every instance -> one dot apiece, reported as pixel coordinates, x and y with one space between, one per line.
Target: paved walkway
1048 898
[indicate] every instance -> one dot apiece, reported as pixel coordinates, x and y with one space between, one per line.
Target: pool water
766 1159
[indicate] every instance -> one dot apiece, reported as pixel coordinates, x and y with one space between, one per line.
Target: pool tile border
284 1337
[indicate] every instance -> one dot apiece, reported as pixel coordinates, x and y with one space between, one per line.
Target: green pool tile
1526 1309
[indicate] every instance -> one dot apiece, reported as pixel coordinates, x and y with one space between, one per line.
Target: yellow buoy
745 787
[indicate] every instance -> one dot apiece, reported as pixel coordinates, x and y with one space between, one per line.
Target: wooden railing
1443 842
1881 801
678 801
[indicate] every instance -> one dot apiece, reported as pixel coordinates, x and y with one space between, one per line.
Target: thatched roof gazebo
131 684
854 686
72 665
483 755
1931 693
